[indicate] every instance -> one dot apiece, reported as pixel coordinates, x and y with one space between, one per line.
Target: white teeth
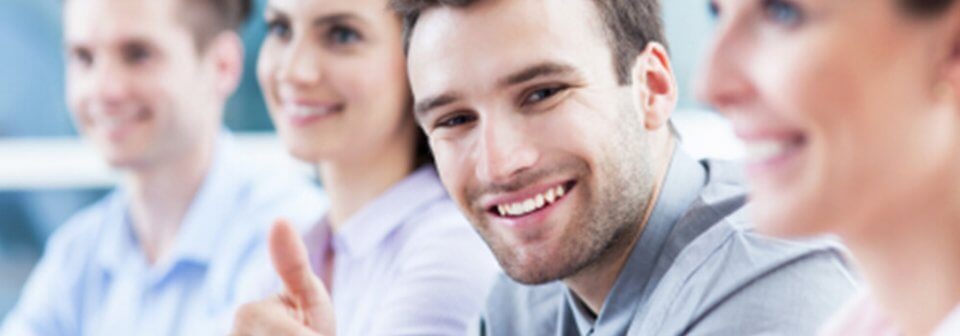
111 122
759 151
515 209
531 204
307 111
115 118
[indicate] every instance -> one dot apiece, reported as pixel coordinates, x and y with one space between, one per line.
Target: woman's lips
301 114
769 149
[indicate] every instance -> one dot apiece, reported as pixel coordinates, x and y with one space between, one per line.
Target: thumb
303 288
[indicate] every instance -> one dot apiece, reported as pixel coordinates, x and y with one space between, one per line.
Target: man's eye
454 121
82 56
542 94
136 54
782 12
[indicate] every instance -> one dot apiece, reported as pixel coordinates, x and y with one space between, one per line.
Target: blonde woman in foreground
850 113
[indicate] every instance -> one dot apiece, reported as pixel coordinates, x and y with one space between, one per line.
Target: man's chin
531 278
124 161
537 271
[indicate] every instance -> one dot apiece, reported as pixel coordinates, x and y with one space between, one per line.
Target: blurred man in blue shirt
147 82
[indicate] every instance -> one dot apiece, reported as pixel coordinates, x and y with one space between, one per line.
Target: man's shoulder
720 202
87 225
725 181
732 269
745 257
74 246
732 250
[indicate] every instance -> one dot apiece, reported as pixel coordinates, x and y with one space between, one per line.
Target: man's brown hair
630 25
208 18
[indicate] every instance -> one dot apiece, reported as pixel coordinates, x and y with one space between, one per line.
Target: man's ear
654 86
225 52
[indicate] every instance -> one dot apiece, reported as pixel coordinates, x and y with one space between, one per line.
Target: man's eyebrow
74 45
422 108
537 70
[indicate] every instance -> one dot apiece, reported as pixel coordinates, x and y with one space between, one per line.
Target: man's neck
160 196
594 283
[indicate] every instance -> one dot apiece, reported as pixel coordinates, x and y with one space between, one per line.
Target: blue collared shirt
94 278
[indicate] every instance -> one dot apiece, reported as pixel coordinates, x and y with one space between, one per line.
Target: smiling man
549 121
147 84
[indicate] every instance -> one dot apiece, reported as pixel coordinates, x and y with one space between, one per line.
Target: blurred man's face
136 84
533 136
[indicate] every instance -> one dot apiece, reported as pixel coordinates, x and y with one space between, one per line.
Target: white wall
688 26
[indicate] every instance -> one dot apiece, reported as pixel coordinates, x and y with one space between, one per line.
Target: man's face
533 136
136 85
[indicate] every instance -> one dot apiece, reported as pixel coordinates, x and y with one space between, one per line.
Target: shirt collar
117 239
682 185
209 213
364 231
583 319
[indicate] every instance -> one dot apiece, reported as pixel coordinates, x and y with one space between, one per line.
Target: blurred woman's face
840 104
333 75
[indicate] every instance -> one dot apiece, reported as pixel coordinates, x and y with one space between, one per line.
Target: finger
304 289
291 262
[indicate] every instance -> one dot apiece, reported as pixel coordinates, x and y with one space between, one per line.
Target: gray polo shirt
698 269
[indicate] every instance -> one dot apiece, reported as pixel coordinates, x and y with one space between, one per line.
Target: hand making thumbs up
304 307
